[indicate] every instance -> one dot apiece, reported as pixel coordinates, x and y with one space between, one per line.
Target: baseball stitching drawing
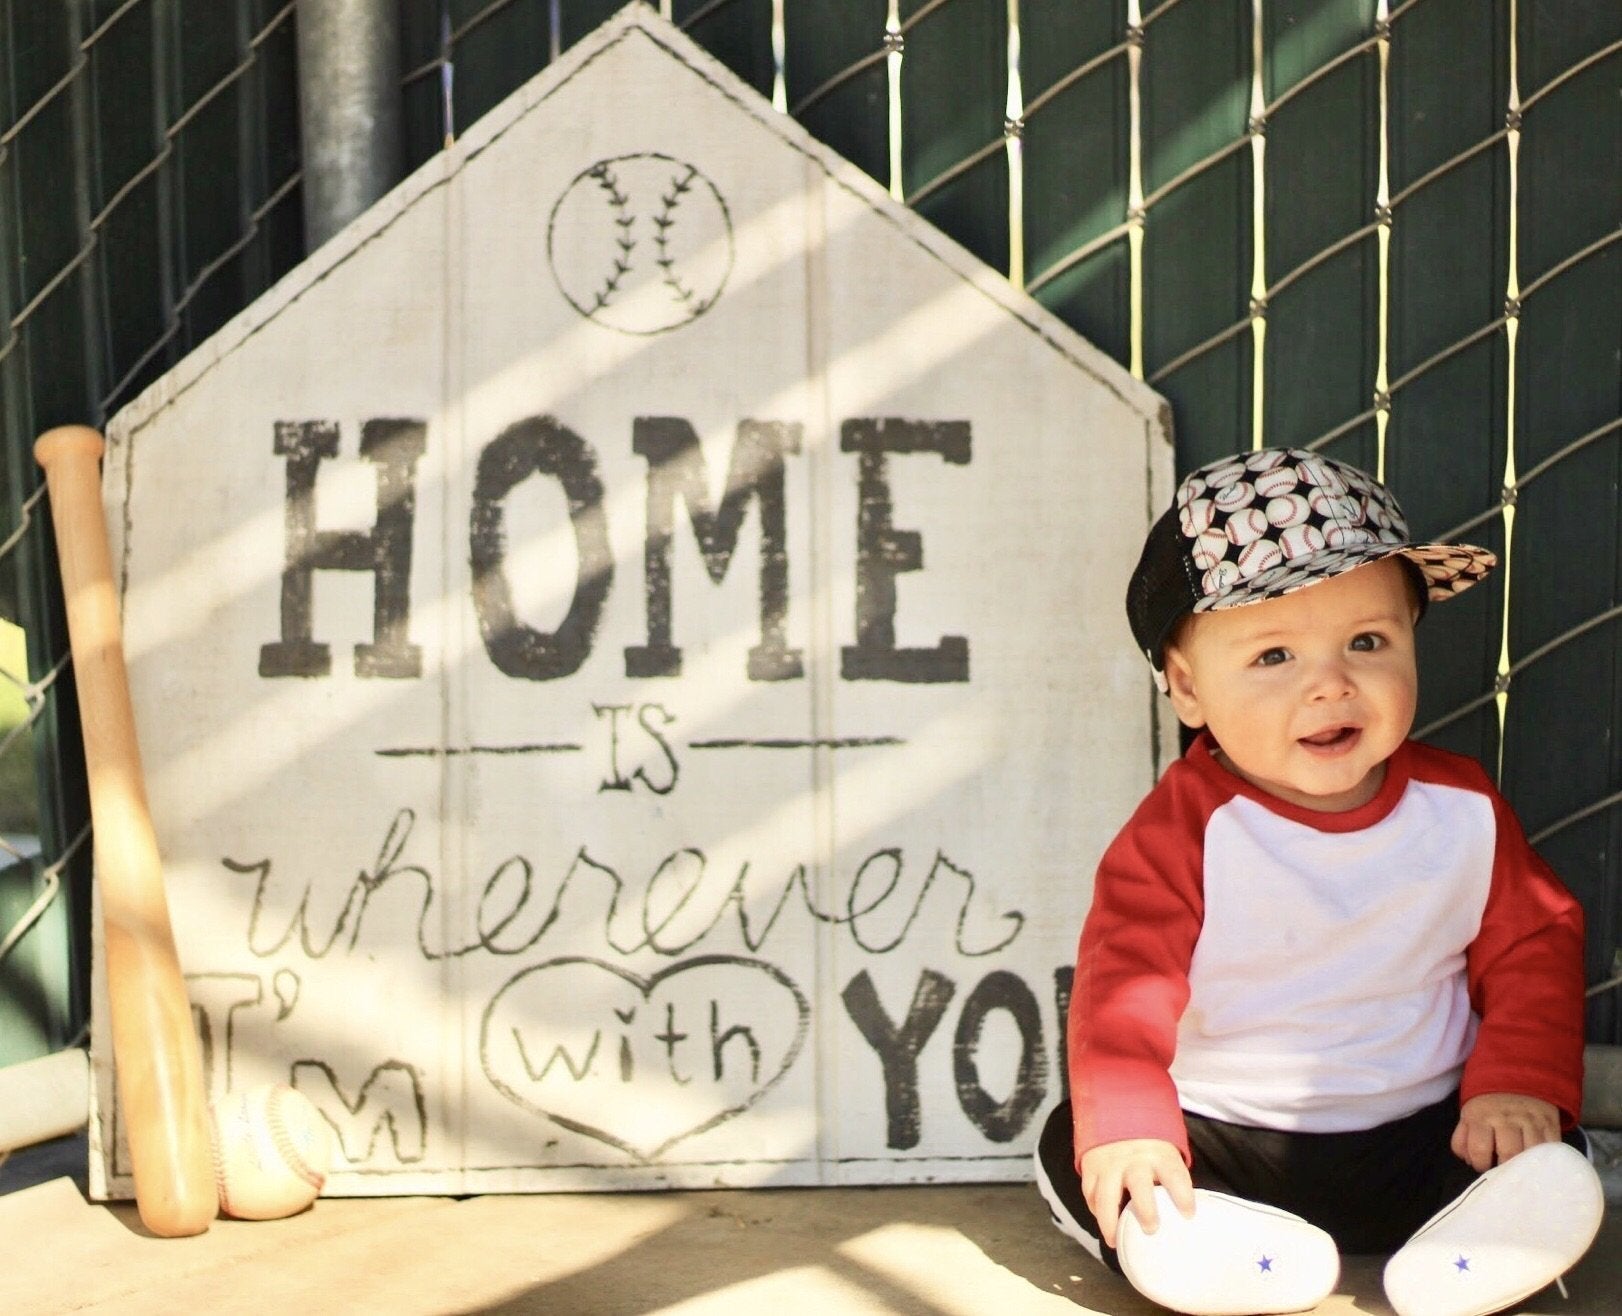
640 244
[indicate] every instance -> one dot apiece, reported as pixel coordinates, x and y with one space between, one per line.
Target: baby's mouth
1333 738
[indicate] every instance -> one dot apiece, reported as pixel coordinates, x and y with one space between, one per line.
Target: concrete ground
986 1249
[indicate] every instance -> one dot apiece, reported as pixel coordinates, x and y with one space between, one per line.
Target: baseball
1248 526
272 1148
640 244
1288 510
1300 540
1327 480
1225 475
1197 516
1270 484
1258 557
1335 507
1266 460
1208 549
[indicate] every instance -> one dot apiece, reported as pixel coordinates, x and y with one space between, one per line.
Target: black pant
1369 1189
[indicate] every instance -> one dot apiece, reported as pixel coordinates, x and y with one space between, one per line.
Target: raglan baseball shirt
1279 967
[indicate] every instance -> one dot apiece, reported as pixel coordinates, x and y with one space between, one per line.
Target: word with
663 1079
542 445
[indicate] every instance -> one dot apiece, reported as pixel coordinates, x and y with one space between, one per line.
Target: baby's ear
1185 698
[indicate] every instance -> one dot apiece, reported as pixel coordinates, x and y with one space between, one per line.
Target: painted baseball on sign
640 244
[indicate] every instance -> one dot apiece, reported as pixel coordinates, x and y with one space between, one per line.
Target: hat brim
1448 569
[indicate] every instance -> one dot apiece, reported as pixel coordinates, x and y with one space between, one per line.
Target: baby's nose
1330 679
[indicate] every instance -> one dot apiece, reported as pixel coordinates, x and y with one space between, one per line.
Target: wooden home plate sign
629 657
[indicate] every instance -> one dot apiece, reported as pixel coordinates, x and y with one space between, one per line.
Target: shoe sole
1514 1231
1234 1258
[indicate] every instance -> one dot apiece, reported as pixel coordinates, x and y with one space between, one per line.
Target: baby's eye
1367 642
1272 657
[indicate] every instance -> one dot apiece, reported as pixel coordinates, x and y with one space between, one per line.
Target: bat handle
155 1048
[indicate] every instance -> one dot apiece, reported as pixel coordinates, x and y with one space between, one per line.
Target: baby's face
1307 694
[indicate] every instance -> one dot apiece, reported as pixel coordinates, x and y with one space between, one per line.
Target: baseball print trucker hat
1260 524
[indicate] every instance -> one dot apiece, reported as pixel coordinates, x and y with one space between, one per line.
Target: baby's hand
1133 1167
1497 1125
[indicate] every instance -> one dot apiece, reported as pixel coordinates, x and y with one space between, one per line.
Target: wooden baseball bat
155 1047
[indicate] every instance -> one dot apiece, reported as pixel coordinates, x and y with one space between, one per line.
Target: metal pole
349 109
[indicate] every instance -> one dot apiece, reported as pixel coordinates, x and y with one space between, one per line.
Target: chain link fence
1391 230
149 172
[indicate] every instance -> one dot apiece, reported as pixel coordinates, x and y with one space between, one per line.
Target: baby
1327 997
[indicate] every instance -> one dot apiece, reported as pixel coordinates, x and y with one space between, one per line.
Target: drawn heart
642 1063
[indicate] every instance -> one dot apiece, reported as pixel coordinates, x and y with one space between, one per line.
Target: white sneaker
1234 1258
1519 1227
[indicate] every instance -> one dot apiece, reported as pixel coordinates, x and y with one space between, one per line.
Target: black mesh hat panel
1162 589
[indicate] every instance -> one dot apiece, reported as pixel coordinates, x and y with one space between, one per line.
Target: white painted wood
515 927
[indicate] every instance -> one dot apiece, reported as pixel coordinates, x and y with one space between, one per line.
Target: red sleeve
1131 982
1526 979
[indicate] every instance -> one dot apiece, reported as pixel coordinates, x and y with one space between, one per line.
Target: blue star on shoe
1232 1256
1485 1250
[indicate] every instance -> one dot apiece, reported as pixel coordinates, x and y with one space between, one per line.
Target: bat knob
66 442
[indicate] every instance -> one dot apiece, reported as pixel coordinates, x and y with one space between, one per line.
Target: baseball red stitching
285 1145
219 1165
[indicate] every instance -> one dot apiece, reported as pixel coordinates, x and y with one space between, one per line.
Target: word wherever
684 900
